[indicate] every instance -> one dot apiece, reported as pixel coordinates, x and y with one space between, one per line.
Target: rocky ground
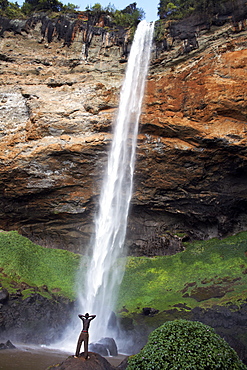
94 362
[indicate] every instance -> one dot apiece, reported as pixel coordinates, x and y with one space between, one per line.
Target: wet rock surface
229 322
35 319
4 295
7 345
105 347
94 362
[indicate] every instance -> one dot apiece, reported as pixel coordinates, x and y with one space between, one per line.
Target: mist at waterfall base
107 254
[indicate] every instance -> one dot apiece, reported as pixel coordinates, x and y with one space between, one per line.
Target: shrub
185 345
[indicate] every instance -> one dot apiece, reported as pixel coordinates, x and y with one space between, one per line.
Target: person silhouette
83 337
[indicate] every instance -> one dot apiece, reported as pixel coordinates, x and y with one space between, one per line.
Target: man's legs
80 339
86 346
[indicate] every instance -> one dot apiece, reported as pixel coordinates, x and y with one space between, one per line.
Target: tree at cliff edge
186 345
178 9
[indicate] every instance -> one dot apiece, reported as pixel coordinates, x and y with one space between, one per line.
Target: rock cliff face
57 110
191 162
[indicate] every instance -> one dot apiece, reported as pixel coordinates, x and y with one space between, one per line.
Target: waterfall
104 273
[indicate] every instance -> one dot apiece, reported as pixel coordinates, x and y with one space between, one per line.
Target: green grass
206 273
22 261
187 277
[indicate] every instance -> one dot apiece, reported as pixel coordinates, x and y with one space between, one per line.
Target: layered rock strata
57 111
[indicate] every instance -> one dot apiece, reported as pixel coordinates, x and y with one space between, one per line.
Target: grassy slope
22 261
200 275
206 273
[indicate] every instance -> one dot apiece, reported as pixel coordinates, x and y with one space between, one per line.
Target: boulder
99 348
149 311
7 345
94 362
110 345
4 295
105 347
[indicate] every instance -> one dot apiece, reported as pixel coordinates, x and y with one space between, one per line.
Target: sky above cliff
150 7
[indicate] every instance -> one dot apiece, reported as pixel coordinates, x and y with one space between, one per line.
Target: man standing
84 334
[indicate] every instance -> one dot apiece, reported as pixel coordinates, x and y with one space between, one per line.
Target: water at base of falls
106 268
35 358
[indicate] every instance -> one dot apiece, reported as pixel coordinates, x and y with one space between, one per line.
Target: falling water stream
105 273
105 268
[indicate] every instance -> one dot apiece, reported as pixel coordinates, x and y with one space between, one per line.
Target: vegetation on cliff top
14 10
206 273
130 16
178 9
182 344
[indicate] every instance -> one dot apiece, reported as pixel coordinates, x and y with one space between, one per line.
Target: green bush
185 345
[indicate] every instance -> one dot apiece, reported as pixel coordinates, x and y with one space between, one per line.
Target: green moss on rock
206 273
24 265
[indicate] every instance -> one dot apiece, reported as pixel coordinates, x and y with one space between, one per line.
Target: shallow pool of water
26 358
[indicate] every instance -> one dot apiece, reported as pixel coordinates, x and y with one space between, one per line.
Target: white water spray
104 274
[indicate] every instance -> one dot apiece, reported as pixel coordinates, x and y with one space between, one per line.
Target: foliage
127 17
162 282
4 4
160 30
44 5
177 9
95 8
25 262
70 8
133 14
186 345
12 11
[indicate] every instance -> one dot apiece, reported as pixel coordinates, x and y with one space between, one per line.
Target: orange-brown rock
56 118
191 161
